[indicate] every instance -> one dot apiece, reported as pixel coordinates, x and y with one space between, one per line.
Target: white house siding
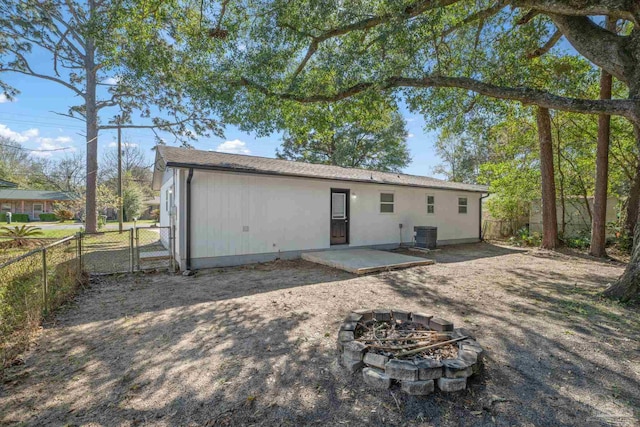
285 215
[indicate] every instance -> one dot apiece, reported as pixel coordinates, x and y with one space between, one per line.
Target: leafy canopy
363 132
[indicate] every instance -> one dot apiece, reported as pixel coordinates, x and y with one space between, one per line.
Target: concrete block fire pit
413 350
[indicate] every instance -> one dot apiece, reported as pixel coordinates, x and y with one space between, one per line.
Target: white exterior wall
292 214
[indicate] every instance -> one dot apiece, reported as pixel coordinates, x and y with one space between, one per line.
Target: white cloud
32 136
31 133
64 139
124 144
51 144
4 98
6 132
410 135
233 147
111 81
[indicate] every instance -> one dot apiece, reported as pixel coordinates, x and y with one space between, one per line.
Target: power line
34 150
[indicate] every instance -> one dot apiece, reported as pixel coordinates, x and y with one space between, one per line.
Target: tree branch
411 11
620 107
480 15
621 9
30 72
547 46
600 46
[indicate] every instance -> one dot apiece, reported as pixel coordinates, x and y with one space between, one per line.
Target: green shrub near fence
15 217
24 298
48 217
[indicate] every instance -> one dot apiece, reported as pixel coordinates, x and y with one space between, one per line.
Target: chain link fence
32 286
153 248
108 252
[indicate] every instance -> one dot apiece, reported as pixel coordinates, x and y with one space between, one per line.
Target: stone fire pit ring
417 374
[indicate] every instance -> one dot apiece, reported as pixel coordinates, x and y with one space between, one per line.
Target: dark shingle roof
199 159
15 194
5 183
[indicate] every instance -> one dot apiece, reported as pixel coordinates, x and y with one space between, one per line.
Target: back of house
229 209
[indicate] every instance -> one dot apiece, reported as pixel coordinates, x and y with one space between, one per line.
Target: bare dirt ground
256 346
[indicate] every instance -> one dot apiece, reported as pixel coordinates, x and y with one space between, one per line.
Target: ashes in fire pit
414 349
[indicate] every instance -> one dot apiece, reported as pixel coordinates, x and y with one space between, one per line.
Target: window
37 207
6 207
386 202
462 205
338 206
431 204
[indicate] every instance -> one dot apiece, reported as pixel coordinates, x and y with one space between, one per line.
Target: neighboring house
31 202
230 209
7 184
149 206
577 218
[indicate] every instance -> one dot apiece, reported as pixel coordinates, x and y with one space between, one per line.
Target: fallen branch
430 347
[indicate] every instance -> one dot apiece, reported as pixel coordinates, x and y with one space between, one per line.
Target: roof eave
291 175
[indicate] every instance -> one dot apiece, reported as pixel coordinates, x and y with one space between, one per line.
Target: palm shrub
20 234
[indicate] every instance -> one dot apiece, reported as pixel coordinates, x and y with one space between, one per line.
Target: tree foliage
360 133
81 39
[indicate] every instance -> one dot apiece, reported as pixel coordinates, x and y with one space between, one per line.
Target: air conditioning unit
425 236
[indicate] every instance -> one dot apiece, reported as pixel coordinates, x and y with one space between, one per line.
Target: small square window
431 204
386 208
386 202
386 197
462 205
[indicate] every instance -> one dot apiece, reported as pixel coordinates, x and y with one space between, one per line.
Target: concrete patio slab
362 261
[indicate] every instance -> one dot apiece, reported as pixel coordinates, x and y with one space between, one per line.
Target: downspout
188 221
480 217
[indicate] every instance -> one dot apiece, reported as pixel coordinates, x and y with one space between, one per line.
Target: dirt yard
256 346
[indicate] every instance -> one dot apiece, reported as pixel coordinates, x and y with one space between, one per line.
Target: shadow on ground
256 346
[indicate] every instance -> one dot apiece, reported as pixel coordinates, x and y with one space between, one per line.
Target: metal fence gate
153 248
134 249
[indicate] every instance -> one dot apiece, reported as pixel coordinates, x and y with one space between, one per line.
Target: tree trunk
549 213
627 287
599 218
633 201
563 207
91 115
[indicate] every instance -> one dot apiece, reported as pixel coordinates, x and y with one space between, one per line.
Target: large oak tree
434 55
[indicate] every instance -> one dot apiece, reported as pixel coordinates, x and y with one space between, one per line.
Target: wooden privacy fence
498 229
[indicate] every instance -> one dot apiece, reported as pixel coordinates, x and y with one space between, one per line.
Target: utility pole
120 204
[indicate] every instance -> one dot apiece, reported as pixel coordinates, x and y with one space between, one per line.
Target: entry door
339 217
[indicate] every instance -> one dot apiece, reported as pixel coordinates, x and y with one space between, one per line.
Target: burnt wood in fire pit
413 349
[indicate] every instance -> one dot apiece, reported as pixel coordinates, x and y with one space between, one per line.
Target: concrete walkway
362 261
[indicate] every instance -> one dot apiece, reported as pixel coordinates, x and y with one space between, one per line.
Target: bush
48 217
102 221
578 242
155 215
64 214
15 217
523 237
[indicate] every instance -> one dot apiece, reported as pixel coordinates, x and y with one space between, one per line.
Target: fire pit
413 349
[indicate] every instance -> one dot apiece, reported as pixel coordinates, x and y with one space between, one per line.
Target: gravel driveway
256 346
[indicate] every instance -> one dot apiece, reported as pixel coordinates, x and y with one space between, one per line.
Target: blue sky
31 120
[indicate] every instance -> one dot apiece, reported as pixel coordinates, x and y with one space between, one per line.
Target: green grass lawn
109 249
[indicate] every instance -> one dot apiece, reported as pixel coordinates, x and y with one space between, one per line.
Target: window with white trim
462 205
387 202
431 204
